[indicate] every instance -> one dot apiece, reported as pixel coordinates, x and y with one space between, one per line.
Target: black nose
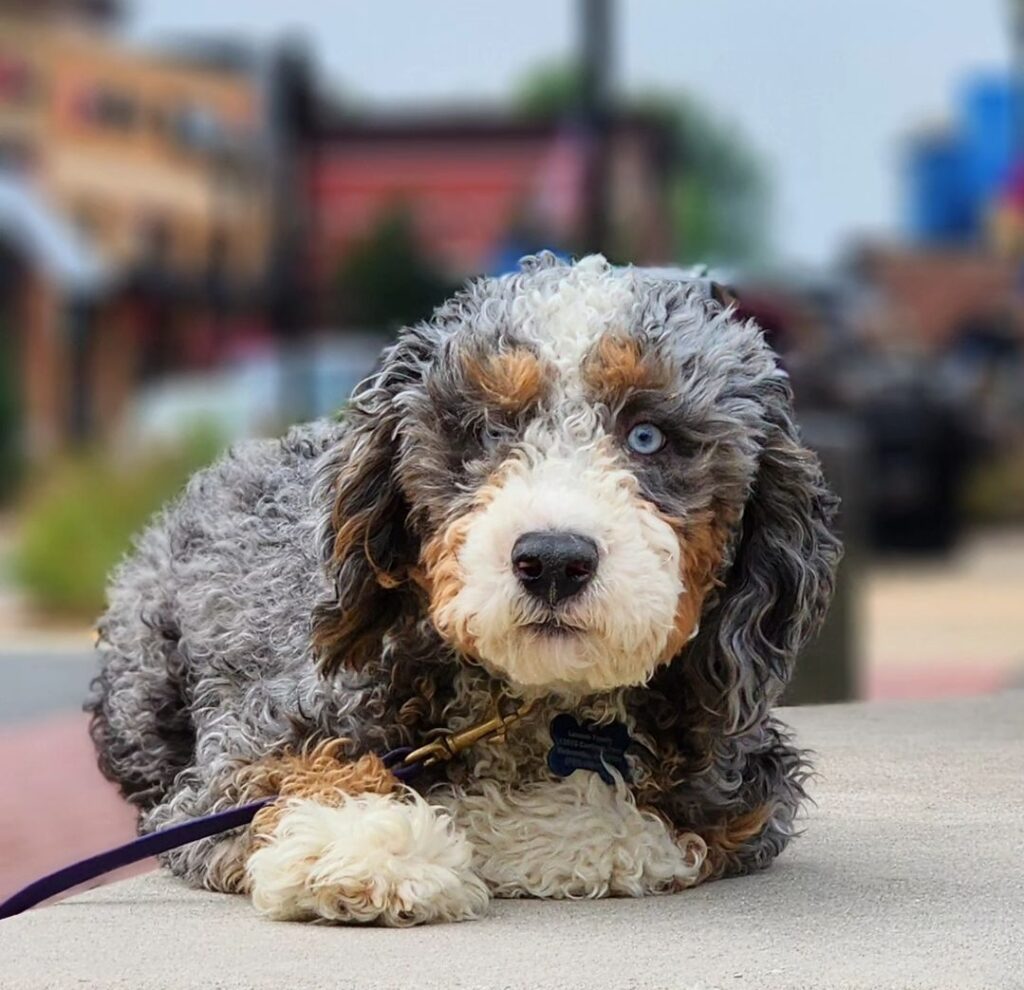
554 566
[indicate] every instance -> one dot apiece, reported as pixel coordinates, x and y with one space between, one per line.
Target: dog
578 486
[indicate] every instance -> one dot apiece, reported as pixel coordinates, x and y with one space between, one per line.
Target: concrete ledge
911 874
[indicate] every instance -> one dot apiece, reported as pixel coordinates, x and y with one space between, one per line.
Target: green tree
550 90
386 281
717 192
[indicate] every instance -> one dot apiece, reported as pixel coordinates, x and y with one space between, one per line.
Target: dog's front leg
577 837
346 843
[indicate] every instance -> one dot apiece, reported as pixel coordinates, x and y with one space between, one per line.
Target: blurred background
213 215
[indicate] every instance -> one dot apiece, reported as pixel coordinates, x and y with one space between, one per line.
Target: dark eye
645 438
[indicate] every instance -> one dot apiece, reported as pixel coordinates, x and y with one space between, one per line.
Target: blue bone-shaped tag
588 747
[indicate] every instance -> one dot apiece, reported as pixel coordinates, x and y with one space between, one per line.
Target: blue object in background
952 177
986 123
938 205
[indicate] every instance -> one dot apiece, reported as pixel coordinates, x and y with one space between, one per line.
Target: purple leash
131 852
161 841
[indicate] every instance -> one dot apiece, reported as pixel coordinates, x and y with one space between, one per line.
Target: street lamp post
595 111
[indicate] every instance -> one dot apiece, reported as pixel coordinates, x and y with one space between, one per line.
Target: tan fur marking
349 533
322 773
511 380
617 366
440 573
326 638
442 576
702 546
343 624
726 839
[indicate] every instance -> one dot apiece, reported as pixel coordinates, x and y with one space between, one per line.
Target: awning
48 242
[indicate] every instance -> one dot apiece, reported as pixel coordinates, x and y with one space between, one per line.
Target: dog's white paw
392 860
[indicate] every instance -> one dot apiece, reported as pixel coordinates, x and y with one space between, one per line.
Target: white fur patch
626 614
577 838
567 315
377 858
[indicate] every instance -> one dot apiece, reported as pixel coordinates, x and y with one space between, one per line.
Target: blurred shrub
387 281
78 522
995 490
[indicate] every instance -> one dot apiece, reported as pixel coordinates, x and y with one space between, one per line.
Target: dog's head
572 471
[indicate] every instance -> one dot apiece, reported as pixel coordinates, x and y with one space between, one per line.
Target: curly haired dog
576 484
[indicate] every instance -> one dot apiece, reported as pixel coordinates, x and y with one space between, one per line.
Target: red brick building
136 213
470 184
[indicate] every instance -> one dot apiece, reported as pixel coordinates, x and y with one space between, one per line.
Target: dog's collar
575 744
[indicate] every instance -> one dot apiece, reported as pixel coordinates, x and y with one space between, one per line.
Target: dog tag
588 747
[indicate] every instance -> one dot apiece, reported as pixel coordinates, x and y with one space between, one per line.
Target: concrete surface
945 626
910 875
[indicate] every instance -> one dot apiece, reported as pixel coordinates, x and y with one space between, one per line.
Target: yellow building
151 156
152 166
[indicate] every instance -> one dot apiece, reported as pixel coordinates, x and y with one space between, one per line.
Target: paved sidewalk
909 876
945 626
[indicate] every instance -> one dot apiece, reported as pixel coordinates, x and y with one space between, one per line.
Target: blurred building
480 190
162 211
959 269
135 202
932 296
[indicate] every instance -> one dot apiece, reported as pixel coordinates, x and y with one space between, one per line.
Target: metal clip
449 745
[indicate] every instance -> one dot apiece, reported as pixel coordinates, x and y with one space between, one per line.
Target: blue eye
645 438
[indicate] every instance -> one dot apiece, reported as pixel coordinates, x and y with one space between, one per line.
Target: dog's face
583 518
571 451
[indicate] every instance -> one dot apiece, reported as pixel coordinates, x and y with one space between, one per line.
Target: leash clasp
449 745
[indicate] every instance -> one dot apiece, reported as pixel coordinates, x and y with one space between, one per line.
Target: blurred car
254 395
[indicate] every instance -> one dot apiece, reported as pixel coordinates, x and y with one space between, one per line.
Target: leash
404 763
143 847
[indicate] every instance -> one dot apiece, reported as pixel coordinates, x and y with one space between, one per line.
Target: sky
823 91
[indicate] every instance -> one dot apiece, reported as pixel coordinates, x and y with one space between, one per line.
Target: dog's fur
353 581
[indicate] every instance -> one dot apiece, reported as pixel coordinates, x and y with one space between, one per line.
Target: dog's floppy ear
364 539
780 583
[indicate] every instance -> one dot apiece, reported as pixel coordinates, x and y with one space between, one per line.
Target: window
110 108
198 128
